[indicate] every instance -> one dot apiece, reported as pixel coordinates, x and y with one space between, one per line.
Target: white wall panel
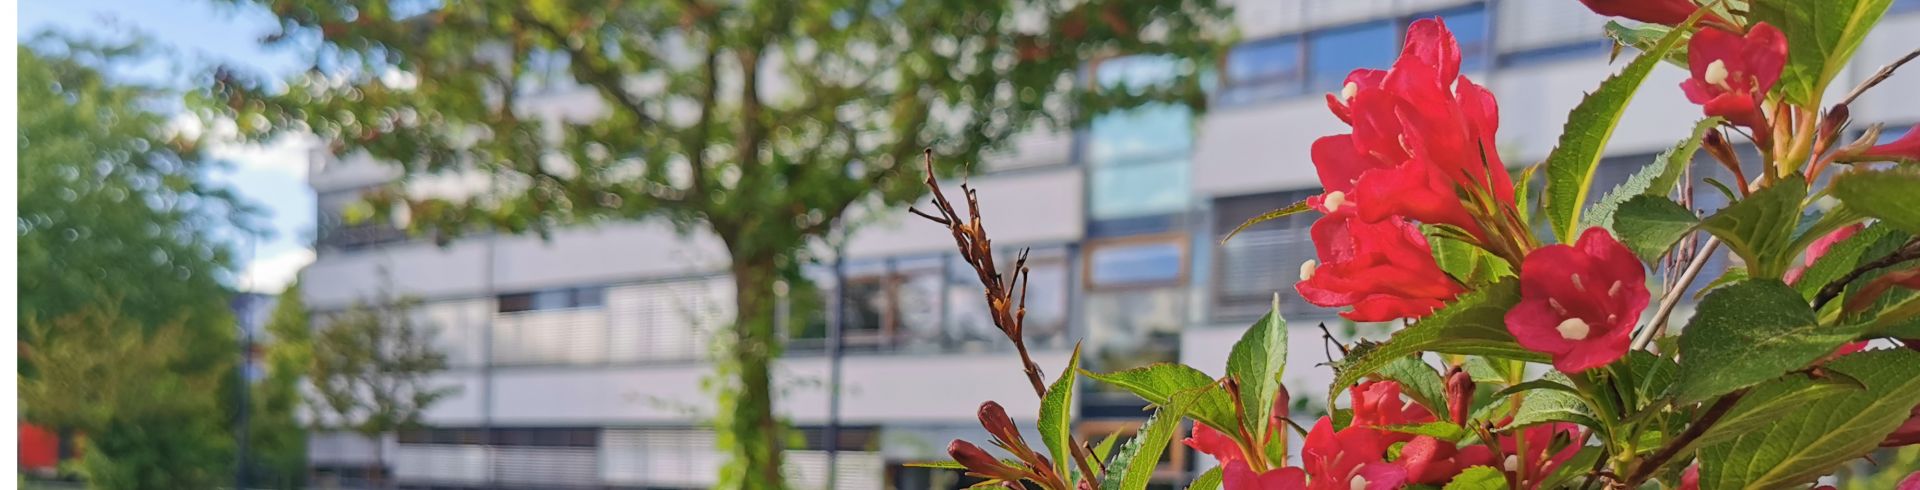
607 253
441 463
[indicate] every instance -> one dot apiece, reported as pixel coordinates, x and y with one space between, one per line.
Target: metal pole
835 331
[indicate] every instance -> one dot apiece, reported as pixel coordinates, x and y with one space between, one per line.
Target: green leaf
1649 225
1290 210
1445 431
1418 381
1571 165
1257 361
1801 445
939 465
1478 478
1821 38
1160 384
1522 190
1760 228
1747 333
1644 37
1056 415
1105 448
1464 261
1888 195
1535 385
1656 179
1732 275
1542 406
1133 467
1871 243
1475 324
1768 402
1207 481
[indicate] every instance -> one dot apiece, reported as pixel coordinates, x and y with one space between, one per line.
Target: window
1135 304
1264 70
1333 53
1530 32
1139 157
1135 262
969 324
1262 260
554 299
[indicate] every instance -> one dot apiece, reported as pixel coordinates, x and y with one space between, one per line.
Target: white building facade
579 360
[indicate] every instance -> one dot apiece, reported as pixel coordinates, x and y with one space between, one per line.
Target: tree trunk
378 476
756 433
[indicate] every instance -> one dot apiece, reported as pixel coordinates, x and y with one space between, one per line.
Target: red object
1690 480
1732 73
1548 447
1907 434
1579 303
1240 476
1377 404
1667 12
1431 461
39 448
1906 148
1339 460
1911 482
1422 133
1819 249
1384 270
1213 443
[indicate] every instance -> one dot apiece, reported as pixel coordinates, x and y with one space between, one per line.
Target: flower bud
1835 121
1459 395
979 462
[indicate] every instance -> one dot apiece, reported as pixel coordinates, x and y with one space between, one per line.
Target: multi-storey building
579 359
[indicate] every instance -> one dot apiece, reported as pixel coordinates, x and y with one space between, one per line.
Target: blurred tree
114 381
279 438
368 371
763 121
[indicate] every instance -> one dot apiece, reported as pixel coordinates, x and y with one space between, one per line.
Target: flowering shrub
1533 352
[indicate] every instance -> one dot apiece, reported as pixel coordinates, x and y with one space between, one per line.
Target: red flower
1378 404
1690 480
1667 12
1239 476
1579 303
1819 249
1906 148
1430 461
1213 443
1907 434
1732 73
1421 133
1548 447
1348 459
1911 482
1384 270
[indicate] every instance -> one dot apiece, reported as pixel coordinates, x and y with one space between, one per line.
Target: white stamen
1333 200
1555 304
1307 268
1358 483
1512 464
1577 285
1716 74
1347 91
1573 329
1614 290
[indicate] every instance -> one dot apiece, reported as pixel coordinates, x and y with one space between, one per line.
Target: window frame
1093 247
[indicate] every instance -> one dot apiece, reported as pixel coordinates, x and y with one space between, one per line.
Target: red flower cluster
1667 12
1732 74
1579 303
1421 150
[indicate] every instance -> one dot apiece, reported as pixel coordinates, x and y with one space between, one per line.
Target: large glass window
935 304
1333 53
1264 69
1140 156
554 299
969 325
1136 302
1134 264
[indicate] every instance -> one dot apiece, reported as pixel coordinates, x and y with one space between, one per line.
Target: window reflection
934 304
1139 156
1136 303
1333 53
1264 69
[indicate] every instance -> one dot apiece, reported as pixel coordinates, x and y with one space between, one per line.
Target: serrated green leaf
1649 225
1644 36
1767 403
1445 431
1207 481
1534 385
1464 261
1133 468
1732 275
1821 38
1886 194
939 465
1571 164
1543 406
1760 228
1105 449
1871 243
1801 445
1159 384
1290 210
1257 361
1747 333
1418 381
1474 324
1056 415
1656 179
1522 190
1478 478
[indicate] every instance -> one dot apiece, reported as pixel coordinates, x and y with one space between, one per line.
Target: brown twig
1008 313
1674 294
1694 431
1879 76
1833 289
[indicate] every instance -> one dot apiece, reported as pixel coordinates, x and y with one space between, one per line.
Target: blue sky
207 31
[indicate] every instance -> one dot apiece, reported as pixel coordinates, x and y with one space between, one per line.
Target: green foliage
1747 333
1552 405
1056 415
1656 179
1571 165
1760 229
1161 384
1767 403
278 445
1133 467
1644 37
370 368
1291 209
1478 478
1821 38
1256 362
1649 225
1871 243
1801 445
1444 431
1207 481
1418 381
1474 324
1885 194
147 424
1464 261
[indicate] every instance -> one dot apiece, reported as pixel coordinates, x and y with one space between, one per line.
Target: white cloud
271 274
287 154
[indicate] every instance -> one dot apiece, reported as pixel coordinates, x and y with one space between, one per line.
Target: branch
1878 76
610 83
1694 431
1674 294
1833 289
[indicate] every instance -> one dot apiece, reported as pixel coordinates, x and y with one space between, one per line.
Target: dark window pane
510 303
1119 265
1334 53
1264 69
1469 26
590 297
919 289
